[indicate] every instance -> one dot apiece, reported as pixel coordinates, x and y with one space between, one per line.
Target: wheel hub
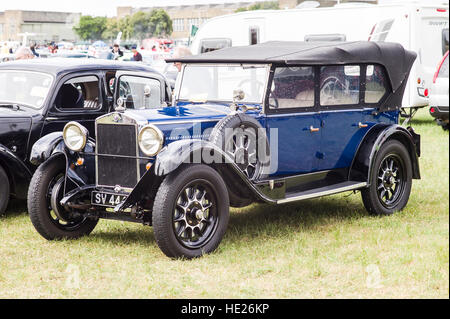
194 215
388 179
390 184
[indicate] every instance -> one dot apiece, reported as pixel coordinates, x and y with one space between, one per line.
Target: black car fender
189 151
18 173
373 140
46 146
53 145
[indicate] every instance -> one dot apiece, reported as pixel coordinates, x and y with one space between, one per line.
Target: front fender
46 146
198 151
368 149
76 176
18 173
193 151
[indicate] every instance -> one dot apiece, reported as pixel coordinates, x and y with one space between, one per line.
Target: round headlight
75 136
151 140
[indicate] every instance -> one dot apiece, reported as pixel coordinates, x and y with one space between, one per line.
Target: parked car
72 55
439 94
40 96
7 57
277 122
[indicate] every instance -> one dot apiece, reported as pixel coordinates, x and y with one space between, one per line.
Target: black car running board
323 191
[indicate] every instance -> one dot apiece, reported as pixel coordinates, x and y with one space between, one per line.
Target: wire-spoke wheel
49 218
195 214
244 140
390 180
191 211
241 146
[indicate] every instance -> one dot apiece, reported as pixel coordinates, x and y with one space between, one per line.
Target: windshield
24 88
139 92
203 83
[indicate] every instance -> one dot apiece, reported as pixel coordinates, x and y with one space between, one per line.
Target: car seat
69 97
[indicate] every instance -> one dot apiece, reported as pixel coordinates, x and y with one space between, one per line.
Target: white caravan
418 26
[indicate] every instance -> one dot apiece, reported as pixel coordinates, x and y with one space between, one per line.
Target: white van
418 26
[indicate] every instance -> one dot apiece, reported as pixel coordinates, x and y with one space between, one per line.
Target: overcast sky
98 7
94 7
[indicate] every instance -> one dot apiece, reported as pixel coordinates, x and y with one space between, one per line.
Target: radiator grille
117 140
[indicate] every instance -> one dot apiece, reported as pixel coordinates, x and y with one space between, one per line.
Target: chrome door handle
361 125
314 129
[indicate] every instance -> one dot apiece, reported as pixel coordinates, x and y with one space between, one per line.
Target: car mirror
238 95
147 91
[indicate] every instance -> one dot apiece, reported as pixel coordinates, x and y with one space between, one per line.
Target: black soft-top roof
57 66
392 56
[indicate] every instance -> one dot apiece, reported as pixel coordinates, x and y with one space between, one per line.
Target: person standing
23 53
180 52
116 53
136 55
33 50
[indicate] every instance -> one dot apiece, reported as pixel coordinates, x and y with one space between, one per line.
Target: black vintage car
276 122
40 96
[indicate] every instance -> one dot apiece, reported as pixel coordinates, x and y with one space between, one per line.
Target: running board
323 191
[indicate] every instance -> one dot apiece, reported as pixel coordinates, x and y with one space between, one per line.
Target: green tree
142 27
148 24
161 23
112 29
90 28
126 27
267 5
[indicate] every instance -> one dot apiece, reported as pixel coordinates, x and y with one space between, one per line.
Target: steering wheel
330 87
259 84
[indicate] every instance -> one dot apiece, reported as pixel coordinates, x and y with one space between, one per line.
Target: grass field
322 248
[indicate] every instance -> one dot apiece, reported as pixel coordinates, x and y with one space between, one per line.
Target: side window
254 35
444 40
443 71
208 45
79 93
139 92
375 84
292 87
339 85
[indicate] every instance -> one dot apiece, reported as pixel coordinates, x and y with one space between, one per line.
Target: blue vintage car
275 122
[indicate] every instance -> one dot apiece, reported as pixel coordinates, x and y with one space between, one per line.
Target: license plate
107 199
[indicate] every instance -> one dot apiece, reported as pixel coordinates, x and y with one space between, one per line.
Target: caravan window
325 37
254 35
375 84
444 41
208 45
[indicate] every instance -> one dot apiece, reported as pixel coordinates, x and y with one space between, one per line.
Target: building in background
186 15
40 26
291 4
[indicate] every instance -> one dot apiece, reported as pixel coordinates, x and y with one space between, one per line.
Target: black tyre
238 201
47 215
191 212
445 125
390 180
4 190
240 136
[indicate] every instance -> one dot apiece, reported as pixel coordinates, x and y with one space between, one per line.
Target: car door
79 97
341 116
292 121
